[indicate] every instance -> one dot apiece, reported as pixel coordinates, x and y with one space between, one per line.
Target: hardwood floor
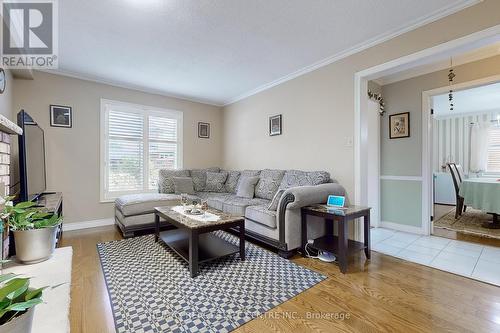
386 294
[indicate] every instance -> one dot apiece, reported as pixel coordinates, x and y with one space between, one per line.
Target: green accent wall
401 202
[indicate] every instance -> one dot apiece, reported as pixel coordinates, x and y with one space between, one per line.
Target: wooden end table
193 240
341 246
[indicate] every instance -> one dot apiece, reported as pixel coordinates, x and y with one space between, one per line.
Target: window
136 142
494 150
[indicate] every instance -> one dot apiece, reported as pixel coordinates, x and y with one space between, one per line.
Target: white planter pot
35 245
21 324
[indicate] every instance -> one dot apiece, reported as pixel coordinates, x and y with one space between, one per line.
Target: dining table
484 194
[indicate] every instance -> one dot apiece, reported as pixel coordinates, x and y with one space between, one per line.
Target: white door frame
361 78
427 136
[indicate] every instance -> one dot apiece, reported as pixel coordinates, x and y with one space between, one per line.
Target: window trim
147 111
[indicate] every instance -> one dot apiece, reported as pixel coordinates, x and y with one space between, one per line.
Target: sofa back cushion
269 183
166 179
293 178
232 181
200 178
215 181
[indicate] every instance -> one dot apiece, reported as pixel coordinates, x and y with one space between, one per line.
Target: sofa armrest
298 197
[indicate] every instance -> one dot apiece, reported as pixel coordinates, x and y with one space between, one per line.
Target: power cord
322 255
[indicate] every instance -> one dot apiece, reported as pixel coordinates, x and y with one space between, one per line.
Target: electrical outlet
311 241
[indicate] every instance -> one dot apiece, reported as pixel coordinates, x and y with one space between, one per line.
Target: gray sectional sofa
272 216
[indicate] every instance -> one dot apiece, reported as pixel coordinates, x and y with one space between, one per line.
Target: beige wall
318 107
6 99
73 154
406 96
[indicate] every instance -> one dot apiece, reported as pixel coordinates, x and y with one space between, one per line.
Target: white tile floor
467 259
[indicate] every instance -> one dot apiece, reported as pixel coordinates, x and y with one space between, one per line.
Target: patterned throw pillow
246 186
269 183
232 181
166 181
295 178
183 185
200 177
215 181
276 200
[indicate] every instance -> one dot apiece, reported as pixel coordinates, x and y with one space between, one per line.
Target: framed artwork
275 124
204 130
61 116
399 125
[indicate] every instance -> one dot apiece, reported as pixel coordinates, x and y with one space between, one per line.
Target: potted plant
34 230
17 301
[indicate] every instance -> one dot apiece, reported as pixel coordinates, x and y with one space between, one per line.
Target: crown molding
439 14
128 86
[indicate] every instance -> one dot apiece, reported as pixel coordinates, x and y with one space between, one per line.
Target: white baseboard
88 224
402 227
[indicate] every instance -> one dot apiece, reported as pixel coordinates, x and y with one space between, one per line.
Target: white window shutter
137 142
125 151
494 150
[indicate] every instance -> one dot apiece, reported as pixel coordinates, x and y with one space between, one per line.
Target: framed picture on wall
275 125
399 125
61 116
203 130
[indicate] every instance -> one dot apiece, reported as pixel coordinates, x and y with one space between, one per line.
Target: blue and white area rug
151 289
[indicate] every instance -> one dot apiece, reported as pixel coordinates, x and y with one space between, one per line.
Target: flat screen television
32 178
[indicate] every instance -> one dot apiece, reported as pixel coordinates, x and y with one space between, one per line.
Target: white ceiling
473 100
220 51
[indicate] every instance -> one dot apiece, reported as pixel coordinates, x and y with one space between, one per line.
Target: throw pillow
276 200
246 187
183 185
232 181
166 179
200 178
269 183
215 181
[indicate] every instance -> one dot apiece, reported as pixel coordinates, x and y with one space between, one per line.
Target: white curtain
452 139
479 141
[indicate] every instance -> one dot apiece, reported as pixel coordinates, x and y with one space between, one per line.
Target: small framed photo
275 125
399 125
203 130
61 116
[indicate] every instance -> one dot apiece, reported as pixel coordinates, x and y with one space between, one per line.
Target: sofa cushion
250 173
133 204
215 181
200 177
269 183
166 181
262 215
293 178
232 181
216 200
236 206
273 205
246 186
183 185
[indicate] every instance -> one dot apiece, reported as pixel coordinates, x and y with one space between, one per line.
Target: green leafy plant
25 216
16 297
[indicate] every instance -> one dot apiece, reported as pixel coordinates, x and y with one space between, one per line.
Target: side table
341 246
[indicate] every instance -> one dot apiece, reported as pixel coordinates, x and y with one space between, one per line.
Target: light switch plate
349 141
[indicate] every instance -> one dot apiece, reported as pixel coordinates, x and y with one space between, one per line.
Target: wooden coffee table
194 241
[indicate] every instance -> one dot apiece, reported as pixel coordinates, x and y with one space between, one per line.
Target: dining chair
460 172
461 177
456 184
